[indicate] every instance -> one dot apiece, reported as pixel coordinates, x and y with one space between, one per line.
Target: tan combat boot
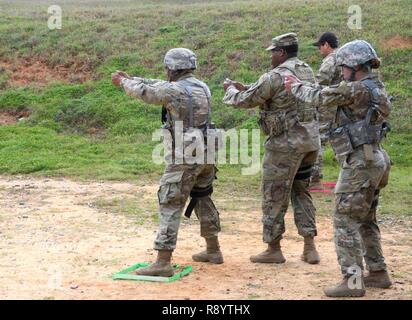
342 289
273 254
310 255
161 267
378 279
212 253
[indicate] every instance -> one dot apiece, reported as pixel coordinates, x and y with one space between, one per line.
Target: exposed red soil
36 72
396 42
8 116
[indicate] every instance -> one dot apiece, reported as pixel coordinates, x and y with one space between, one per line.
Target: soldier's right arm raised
150 91
338 95
257 94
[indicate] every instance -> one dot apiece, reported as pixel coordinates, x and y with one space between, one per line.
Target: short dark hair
333 44
328 37
291 50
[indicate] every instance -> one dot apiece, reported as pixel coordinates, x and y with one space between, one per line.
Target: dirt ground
11 116
396 42
35 72
55 244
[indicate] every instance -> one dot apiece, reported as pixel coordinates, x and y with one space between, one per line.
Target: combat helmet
357 52
180 59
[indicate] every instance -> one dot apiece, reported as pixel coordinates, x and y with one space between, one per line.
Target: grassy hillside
80 125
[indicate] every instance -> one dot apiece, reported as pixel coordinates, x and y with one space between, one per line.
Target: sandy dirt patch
56 244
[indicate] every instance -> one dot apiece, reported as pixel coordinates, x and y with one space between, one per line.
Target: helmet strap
352 74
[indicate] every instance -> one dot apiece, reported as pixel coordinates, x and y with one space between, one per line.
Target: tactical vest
351 133
284 106
195 113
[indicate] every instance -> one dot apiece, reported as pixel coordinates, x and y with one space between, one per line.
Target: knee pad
195 194
304 173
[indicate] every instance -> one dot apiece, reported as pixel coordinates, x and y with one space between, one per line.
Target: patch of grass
41 150
143 211
253 296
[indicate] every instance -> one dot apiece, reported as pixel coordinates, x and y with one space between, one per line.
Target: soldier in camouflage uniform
329 74
188 102
363 106
290 148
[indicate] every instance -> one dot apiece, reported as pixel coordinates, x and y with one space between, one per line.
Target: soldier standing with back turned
363 107
187 102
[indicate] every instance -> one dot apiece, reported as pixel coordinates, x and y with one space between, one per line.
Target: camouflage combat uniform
329 74
290 148
188 100
364 171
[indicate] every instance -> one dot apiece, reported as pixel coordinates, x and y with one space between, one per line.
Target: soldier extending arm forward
363 106
187 102
290 148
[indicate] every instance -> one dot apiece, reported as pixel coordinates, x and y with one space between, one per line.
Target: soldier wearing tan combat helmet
363 107
187 102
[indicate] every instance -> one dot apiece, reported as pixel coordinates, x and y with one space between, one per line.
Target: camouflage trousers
356 232
175 186
286 175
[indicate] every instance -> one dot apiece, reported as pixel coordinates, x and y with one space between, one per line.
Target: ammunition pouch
272 123
348 137
340 141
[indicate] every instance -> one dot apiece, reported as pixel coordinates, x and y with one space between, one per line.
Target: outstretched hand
239 86
118 76
289 81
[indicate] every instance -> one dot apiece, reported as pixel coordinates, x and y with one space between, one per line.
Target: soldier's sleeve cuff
229 95
123 82
232 89
295 88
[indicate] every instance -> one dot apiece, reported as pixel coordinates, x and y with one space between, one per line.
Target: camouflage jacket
187 99
329 73
301 132
188 105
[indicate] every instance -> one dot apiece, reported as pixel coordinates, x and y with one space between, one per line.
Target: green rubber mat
126 274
